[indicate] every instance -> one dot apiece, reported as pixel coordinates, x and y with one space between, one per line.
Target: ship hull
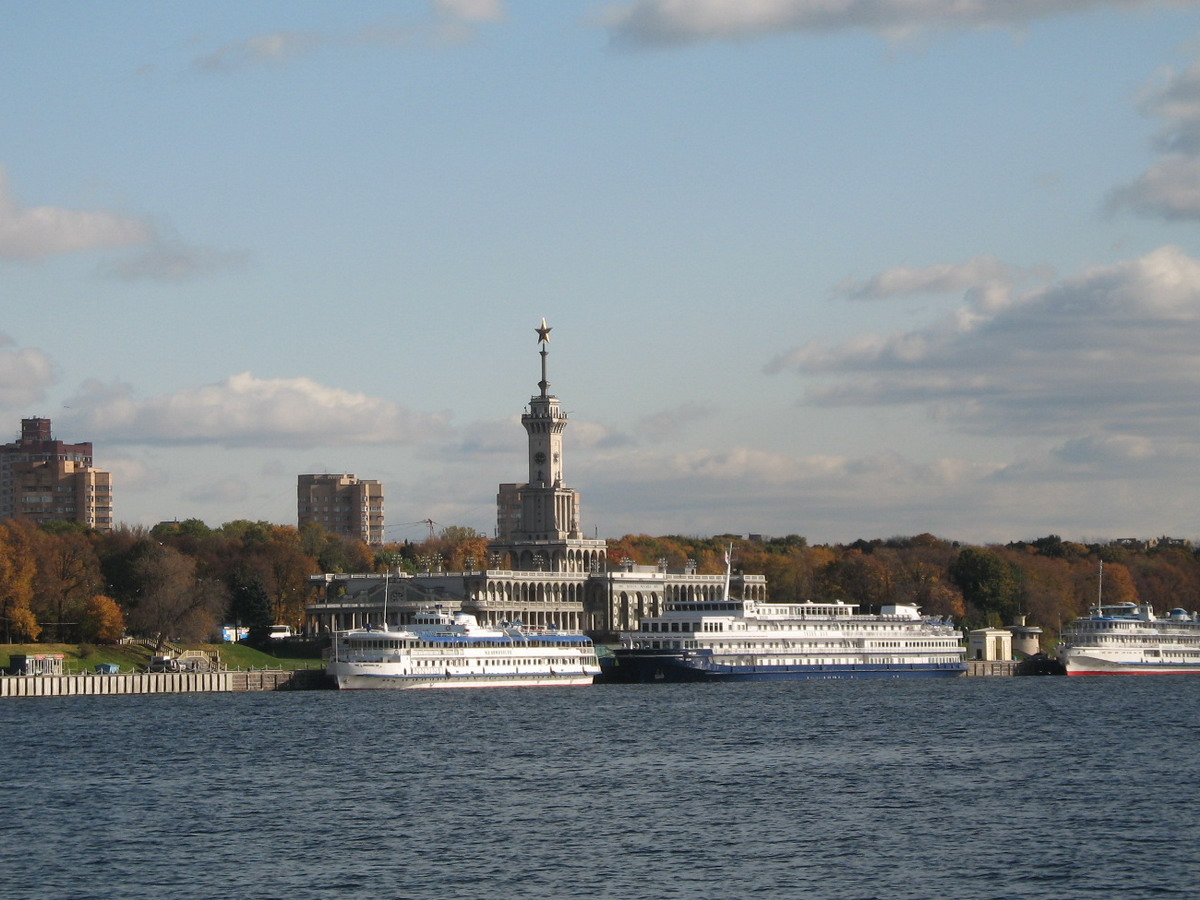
352 681
1083 664
630 666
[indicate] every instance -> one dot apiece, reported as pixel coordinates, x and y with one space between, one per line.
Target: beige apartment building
46 480
341 504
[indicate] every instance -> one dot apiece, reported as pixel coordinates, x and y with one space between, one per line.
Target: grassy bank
85 657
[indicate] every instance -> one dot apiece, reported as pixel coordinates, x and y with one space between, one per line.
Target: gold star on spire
543 332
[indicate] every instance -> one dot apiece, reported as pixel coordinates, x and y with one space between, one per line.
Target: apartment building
45 480
341 504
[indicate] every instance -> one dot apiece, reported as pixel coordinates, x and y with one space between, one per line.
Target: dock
228 681
989 667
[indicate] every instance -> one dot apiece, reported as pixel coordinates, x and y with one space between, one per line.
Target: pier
982 667
235 681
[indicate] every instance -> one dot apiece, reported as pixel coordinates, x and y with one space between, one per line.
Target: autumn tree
102 621
455 548
169 601
68 575
18 566
1164 577
288 585
926 585
859 577
334 553
1118 584
990 584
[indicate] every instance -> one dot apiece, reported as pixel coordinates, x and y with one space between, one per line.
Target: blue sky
847 268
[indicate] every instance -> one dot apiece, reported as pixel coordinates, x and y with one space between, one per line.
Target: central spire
538 520
543 334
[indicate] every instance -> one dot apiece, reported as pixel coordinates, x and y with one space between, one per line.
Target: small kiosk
36 664
990 644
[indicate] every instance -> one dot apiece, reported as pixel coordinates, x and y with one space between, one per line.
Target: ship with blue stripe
744 640
441 649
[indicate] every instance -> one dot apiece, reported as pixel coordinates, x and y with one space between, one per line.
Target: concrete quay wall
982 667
161 683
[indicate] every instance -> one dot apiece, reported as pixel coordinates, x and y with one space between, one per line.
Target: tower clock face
539 457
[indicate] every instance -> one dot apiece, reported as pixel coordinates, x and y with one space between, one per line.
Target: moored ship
1129 639
444 650
744 640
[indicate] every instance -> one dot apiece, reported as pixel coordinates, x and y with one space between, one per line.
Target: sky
837 268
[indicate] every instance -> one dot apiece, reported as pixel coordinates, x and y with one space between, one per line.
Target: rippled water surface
970 788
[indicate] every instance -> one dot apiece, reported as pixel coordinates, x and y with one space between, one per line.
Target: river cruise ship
742 640
444 650
1129 639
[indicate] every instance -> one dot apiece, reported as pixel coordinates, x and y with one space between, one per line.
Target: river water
963 788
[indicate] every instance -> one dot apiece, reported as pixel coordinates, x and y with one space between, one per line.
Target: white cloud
245 411
30 233
470 10
1111 351
584 433
763 473
34 233
25 374
665 22
985 280
1093 449
1170 187
1112 484
746 489
272 47
496 437
132 475
671 423
453 21
1174 97
228 490
174 262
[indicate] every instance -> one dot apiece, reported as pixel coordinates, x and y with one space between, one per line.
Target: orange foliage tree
103 622
18 567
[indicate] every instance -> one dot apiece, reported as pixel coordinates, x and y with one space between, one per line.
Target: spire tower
546 529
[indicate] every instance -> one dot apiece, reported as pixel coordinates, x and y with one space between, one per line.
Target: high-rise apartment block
47 480
341 504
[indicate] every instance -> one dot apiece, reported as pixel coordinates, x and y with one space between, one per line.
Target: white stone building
541 568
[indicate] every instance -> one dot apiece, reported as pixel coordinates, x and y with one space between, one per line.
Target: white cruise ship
1129 639
741 640
441 650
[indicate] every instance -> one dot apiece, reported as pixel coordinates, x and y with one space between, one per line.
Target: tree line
60 582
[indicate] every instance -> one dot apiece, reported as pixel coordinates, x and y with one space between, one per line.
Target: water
968 788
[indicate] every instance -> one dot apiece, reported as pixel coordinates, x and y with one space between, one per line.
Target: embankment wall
161 683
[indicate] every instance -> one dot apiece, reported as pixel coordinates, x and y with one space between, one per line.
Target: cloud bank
25 374
29 234
1170 188
1105 361
245 411
671 22
33 233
